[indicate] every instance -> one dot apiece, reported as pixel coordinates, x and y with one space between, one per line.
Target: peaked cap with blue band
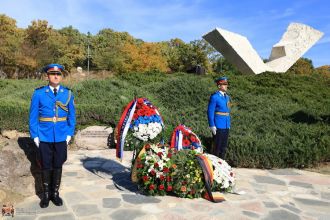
221 81
54 67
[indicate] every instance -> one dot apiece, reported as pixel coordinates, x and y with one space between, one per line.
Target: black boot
45 183
55 197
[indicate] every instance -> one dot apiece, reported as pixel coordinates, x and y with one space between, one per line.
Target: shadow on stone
120 174
32 154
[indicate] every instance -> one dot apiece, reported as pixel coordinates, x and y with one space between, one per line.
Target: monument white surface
238 51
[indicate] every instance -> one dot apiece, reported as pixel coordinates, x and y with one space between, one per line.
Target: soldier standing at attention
218 113
52 124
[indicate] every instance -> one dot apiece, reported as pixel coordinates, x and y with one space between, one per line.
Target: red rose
152 187
160 154
139 112
152 172
169 155
166 170
180 127
139 166
156 165
186 133
169 188
193 139
186 142
161 187
152 111
142 112
145 178
147 147
168 179
140 101
162 177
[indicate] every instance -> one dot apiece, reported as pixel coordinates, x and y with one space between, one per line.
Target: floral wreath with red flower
184 138
147 122
154 168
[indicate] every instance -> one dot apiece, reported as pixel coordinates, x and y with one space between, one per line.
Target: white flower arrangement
148 131
222 172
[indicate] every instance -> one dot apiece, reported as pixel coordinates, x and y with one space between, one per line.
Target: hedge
278 120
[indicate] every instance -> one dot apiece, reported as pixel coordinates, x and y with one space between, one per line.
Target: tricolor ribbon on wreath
123 126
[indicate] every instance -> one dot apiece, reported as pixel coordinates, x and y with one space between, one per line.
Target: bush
278 120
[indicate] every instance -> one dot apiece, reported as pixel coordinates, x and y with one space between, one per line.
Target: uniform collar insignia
47 90
61 90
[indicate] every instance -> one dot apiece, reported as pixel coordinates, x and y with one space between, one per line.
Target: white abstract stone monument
238 51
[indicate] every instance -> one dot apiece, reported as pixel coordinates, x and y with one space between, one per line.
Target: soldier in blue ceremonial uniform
218 113
52 124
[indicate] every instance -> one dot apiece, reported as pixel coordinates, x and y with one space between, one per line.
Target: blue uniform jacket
219 103
43 104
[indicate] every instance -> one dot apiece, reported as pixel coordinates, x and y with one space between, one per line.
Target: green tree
183 57
202 54
35 52
222 65
107 49
43 45
38 32
75 50
173 50
10 38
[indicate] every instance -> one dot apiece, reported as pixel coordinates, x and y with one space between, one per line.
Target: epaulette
66 88
40 87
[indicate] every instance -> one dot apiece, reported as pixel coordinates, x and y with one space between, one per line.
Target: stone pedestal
94 137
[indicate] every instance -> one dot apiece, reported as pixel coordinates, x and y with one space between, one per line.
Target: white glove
214 130
36 141
68 138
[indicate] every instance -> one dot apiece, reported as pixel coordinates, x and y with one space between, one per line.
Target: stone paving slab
97 186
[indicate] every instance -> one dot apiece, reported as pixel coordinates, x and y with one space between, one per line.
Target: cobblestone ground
97 186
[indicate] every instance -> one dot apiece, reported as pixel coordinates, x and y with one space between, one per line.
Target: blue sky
262 21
